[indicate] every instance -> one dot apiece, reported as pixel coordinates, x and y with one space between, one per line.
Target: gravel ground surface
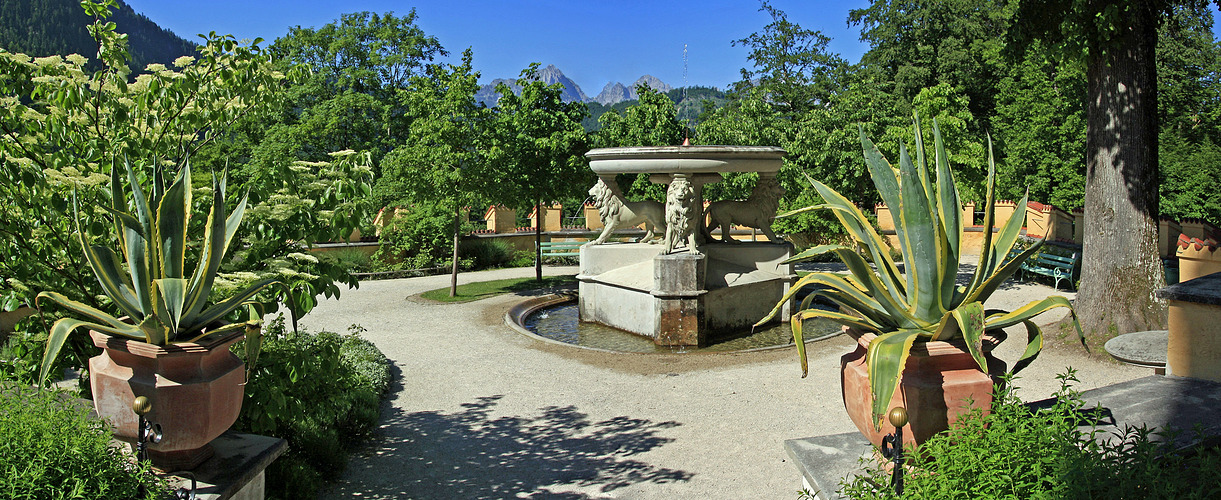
480 411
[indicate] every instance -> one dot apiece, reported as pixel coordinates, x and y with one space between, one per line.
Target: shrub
351 260
22 350
521 258
486 253
320 392
422 237
50 448
1022 452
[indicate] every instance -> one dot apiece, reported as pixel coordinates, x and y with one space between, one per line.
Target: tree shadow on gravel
474 454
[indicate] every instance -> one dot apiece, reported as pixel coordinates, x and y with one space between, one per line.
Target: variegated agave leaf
164 304
924 303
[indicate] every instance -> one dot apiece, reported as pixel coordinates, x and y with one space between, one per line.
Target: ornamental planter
939 383
195 390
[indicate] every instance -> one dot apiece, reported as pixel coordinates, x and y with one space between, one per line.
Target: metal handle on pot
892 447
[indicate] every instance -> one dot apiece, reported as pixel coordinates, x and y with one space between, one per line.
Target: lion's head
678 209
604 198
767 194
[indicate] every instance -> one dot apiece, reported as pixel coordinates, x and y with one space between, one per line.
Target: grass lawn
485 289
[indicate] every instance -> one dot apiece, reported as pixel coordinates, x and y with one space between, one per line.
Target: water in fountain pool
562 322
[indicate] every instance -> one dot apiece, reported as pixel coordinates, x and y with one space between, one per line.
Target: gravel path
479 411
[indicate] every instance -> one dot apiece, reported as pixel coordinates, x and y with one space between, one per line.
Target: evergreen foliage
42 28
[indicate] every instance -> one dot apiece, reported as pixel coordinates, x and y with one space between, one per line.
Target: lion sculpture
680 215
618 213
757 211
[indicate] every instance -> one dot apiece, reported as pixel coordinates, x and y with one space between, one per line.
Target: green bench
560 248
1056 267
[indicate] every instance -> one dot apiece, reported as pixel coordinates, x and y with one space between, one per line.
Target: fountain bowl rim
516 316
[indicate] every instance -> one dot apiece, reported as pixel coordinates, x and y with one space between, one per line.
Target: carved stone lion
757 211
618 213
680 215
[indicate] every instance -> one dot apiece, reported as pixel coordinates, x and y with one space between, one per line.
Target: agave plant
923 303
162 303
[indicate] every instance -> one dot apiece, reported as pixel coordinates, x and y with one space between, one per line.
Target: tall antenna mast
686 129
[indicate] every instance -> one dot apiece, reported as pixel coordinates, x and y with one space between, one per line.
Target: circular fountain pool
556 318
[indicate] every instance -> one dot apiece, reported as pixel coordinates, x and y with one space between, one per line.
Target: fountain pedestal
680 299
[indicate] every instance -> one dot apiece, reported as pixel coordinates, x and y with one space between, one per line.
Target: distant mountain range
613 93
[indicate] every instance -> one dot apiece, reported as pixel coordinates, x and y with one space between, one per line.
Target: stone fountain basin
685 159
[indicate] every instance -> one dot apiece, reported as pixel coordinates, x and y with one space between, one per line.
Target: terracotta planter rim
145 349
929 348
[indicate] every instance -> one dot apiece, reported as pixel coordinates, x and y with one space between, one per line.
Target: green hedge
1017 452
50 448
319 391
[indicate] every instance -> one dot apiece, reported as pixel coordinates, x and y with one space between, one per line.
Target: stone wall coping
1203 290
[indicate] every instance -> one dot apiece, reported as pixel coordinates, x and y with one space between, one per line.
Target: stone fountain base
682 298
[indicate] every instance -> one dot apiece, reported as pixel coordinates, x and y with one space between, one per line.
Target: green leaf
218 311
211 255
883 174
65 326
801 316
967 321
79 308
990 283
812 252
172 220
172 295
1007 236
917 233
862 231
985 267
950 207
886 357
1034 345
1030 310
106 266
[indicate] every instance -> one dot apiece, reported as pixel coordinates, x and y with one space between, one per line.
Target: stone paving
480 411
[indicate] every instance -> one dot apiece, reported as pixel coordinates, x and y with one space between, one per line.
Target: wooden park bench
560 248
1056 267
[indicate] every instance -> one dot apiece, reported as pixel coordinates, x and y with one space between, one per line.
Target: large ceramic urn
195 390
939 383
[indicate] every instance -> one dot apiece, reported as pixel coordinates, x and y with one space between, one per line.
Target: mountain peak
612 93
548 75
653 83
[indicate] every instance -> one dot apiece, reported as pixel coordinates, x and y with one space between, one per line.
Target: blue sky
593 42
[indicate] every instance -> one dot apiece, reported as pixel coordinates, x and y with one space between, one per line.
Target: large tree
349 100
917 44
440 164
538 149
1117 43
791 64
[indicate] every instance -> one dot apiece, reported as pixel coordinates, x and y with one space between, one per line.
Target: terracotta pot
195 390
940 382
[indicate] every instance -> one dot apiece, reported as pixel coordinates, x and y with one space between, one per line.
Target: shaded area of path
470 453
479 411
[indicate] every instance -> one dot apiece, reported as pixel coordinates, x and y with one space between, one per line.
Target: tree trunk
453 278
538 239
1120 265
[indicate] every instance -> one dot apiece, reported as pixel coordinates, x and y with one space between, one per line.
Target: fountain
687 286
